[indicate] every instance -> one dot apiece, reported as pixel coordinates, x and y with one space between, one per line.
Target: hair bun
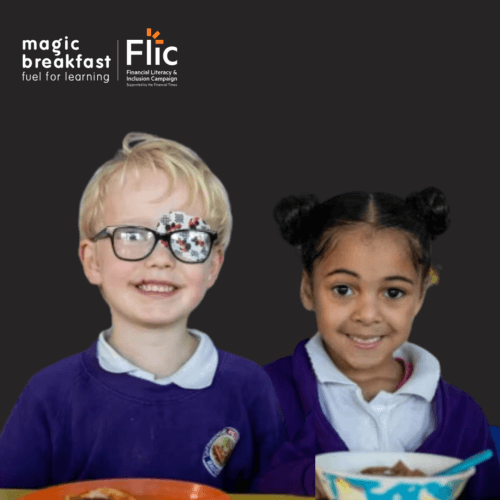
291 213
431 204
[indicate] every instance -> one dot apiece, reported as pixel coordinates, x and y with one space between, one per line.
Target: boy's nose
367 310
161 256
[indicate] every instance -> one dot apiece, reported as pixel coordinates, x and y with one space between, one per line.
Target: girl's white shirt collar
197 373
423 381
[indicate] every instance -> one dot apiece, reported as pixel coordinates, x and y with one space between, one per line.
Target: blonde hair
147 152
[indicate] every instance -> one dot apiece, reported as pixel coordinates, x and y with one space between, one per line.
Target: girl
358 384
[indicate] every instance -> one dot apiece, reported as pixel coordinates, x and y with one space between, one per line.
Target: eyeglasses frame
105 233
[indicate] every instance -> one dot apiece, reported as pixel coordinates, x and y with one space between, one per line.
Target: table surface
14 494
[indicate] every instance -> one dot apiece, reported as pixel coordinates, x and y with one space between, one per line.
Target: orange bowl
141 489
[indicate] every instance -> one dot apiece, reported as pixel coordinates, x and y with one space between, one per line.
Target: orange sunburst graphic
155 36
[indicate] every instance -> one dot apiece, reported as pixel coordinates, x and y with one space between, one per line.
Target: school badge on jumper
219 449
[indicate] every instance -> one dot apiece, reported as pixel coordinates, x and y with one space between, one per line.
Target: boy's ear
87 252
215 265
306 293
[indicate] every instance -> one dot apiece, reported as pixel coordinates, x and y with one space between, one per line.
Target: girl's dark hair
308 224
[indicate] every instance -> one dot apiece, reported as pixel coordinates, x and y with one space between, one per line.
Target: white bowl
341 478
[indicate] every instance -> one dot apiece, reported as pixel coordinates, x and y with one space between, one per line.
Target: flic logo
165 55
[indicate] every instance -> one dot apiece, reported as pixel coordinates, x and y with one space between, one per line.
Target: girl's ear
420 303
87 251
306 293
430 280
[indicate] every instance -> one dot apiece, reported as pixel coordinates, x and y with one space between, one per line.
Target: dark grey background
276 102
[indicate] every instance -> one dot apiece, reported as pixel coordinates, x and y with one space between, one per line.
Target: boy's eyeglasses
191 246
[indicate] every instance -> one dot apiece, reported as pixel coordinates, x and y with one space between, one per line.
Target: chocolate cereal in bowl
388 475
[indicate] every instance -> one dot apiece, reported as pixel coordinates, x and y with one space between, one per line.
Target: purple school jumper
75 421
292 468
461 431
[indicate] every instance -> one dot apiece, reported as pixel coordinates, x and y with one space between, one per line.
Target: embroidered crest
219 449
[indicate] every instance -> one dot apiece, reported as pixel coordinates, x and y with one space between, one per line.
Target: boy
150 398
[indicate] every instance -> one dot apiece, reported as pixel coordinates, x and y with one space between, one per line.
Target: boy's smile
365 293
159 291
156 287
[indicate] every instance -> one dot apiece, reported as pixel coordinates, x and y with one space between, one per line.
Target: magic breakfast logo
149 59
62 59
150 62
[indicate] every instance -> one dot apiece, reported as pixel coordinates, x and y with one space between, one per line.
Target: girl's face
365 292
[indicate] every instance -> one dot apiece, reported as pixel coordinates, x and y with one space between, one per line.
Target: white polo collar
423 381
197 373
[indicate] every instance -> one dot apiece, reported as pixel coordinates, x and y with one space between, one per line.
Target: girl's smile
366 293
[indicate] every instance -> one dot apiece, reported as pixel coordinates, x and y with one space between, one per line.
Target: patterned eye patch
190 244
175 221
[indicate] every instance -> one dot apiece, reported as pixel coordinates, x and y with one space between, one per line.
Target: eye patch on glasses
189 239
